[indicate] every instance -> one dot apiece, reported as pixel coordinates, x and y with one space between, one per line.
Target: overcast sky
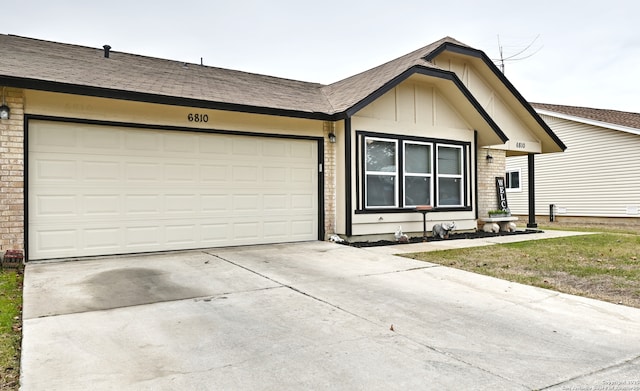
582 52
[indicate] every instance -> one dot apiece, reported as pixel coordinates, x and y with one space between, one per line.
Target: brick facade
12 173
487 173
329 180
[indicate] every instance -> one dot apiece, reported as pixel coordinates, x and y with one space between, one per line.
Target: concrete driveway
317 316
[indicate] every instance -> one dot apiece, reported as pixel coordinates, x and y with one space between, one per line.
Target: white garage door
97 190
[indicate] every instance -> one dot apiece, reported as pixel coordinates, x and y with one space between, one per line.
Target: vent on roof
107 48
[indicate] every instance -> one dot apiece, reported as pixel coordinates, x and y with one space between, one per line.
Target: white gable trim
587 121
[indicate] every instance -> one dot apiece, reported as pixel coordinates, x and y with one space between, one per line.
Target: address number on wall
197 117
521 145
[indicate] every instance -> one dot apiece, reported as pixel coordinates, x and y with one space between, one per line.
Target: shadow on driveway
311 316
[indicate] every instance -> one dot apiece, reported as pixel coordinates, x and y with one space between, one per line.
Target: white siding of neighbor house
597 176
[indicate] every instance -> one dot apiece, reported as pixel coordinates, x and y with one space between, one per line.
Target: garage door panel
244 174
180 174
302 228
215 233
275 175
215 203
181 143
62 205
245 146
100 205
142 141
102 239
102 139
214 173
153 190
107 172
56 240
149 236
49 169
181 234
215 147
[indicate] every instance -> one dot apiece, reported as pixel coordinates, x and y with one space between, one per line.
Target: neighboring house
596 177
108 152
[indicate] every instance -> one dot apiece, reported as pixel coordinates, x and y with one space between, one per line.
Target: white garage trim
103 189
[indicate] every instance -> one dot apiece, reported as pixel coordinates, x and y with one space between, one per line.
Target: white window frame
381 173
508 181
406 174
455 176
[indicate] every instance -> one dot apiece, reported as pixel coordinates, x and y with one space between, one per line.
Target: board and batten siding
598 175
419 109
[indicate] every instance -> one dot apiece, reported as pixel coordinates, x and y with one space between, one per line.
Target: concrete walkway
316 316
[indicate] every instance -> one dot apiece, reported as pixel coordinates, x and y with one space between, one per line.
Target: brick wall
329 180
12 173
487 173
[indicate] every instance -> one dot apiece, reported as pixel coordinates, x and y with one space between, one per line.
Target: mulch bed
452 236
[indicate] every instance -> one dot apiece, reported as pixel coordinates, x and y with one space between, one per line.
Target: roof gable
551 142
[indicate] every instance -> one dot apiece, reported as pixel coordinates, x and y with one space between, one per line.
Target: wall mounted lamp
5 111
489 158
332 138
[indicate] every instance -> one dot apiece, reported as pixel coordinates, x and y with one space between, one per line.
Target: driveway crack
297 290
597 371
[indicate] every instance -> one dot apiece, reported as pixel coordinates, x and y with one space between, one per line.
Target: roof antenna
106 48
515 57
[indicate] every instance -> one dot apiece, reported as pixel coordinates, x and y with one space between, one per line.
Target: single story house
596 178
107 152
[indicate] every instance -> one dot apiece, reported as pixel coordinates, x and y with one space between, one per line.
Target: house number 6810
197 117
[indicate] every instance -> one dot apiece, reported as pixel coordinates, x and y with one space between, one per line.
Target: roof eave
602 124
49 86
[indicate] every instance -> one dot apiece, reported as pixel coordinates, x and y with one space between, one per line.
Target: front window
417 174
407 172
381 171
450 175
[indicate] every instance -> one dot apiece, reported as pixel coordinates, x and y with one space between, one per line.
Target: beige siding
598 174
520 136
417 109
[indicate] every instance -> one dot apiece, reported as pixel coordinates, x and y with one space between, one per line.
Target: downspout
347 177
532 191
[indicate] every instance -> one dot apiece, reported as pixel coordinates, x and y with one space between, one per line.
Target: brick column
329 180
12 173
488 170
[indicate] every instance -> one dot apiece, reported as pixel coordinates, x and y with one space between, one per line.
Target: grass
10 328
603 266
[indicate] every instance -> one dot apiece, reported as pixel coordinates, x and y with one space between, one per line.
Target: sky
576 53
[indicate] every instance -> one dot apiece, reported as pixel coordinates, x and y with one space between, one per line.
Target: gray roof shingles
26 58
39 60
623 118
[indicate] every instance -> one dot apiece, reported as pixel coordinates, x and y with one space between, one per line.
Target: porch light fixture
5 111
489 158
332 138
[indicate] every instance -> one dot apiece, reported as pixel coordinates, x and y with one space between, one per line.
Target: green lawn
10 328
602 266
